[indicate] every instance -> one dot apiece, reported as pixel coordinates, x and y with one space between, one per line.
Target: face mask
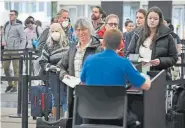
65 23
55 36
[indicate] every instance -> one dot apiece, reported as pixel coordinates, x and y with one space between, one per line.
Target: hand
118 51
155 62
53 68
82 83
67 76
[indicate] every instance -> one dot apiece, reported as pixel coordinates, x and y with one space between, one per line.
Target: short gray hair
85 23
111 16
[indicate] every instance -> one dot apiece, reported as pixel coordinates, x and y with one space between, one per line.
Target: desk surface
134 91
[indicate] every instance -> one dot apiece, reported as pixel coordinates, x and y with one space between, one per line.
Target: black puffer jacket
164 48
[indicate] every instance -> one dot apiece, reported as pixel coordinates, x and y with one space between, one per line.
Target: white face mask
55 36
65 23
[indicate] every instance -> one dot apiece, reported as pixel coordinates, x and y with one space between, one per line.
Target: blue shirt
109 69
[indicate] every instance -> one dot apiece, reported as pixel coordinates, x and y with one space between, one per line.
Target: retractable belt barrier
24 81
21 55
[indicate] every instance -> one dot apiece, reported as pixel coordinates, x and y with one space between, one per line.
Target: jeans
63 93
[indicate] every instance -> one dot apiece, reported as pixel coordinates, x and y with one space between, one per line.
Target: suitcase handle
43 102
48 69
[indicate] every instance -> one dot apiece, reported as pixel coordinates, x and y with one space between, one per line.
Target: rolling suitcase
38 101
41 100
60 122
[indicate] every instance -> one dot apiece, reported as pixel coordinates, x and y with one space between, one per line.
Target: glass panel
27 7
41 6
129 10
75 12
21 7
16 6
8 5
177 21
90 11
49 9
54 9
72 15
81 10
33 6
145 7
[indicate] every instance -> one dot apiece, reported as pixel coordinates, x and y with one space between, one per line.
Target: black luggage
175 120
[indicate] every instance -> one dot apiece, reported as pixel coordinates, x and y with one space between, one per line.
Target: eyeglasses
11 14
113 24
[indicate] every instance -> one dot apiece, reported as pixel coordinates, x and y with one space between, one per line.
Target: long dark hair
146 32
143 11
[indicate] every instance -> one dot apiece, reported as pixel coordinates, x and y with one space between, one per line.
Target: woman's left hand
155 62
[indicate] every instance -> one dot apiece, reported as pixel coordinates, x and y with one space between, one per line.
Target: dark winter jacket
67 62
164 48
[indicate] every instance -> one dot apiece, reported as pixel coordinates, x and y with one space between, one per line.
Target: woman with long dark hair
140 21
154 42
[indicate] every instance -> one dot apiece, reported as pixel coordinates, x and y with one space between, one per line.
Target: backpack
37 32
179 100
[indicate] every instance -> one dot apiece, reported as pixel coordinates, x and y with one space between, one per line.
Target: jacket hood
164 30
95 42
17 22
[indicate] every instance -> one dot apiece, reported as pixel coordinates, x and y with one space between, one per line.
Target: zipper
8 32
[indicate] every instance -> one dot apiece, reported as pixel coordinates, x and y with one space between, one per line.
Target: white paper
71 81
143 60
